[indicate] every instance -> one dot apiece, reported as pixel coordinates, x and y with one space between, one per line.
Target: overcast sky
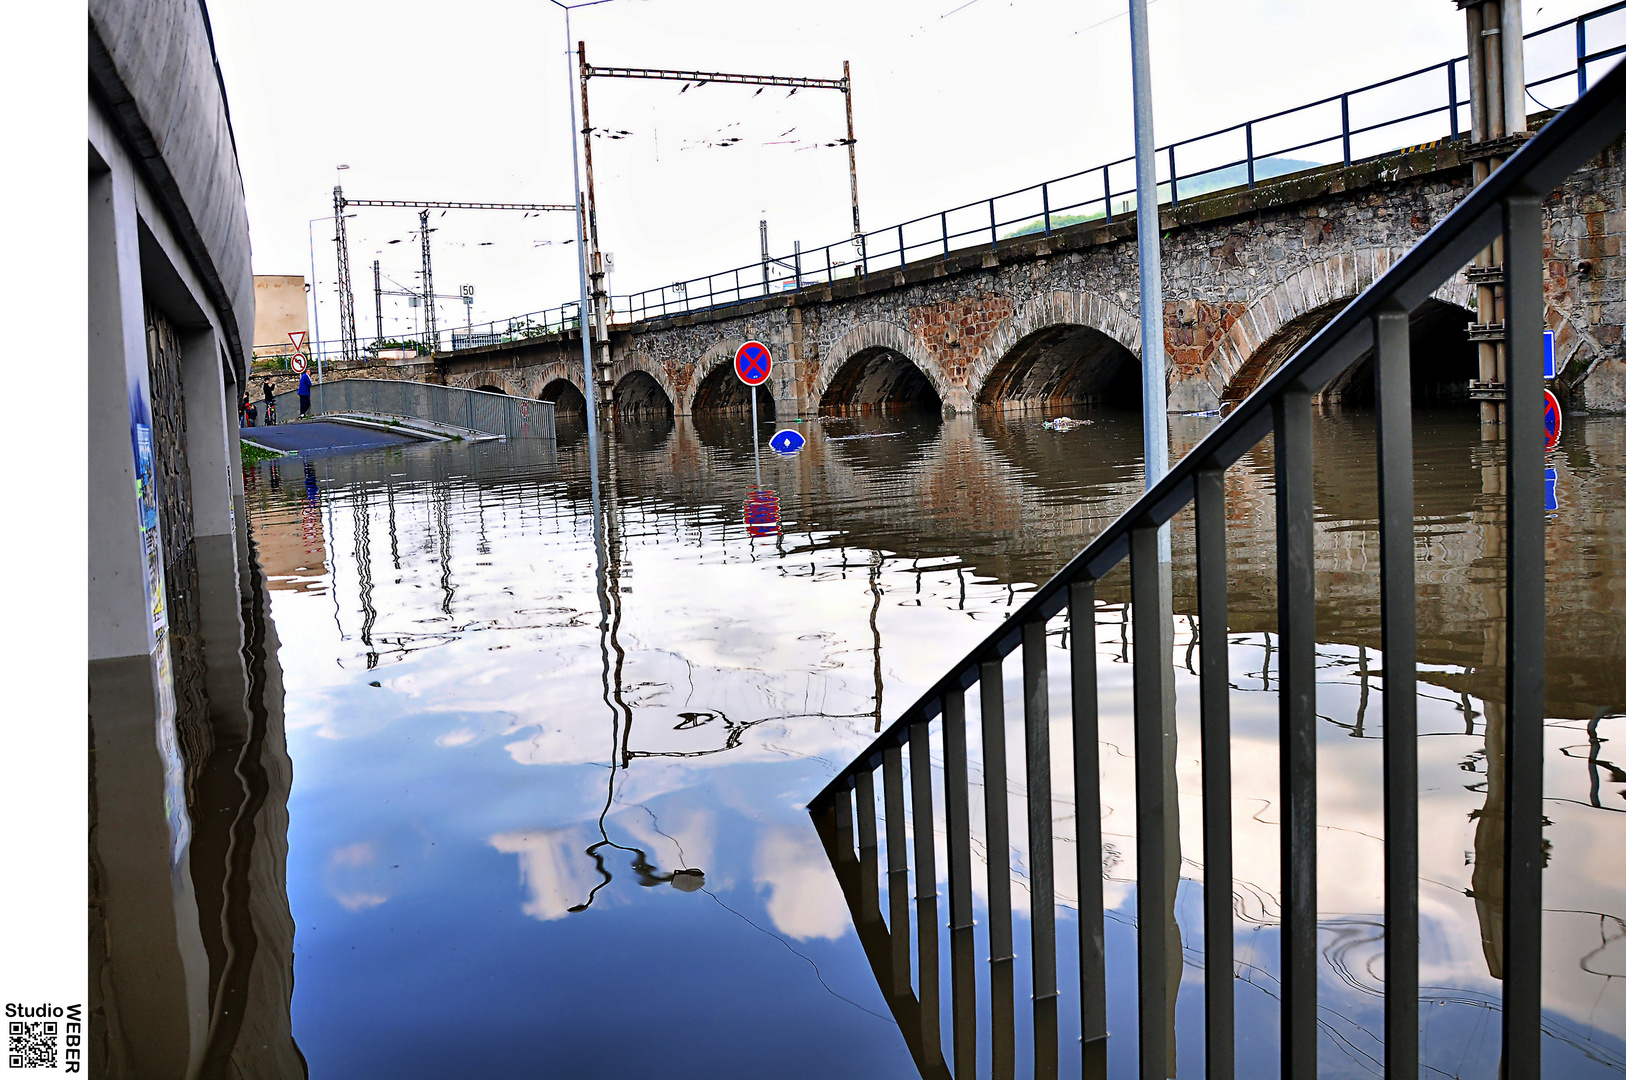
953 102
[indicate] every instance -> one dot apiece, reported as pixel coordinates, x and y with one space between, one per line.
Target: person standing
304 393
270 405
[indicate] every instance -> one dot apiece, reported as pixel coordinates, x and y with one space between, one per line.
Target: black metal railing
1508 205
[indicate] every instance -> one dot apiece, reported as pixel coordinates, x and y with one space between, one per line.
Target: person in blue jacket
304 393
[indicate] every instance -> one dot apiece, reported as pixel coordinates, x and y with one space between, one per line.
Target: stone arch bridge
1042 322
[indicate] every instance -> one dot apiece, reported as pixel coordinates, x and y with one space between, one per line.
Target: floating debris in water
1065 423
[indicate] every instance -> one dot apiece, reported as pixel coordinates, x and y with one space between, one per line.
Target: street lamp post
590 382
316 303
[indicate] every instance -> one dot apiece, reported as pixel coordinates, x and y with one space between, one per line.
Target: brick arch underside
719 391
1272 328
486 380
556 383
642 387
1061 365
879 366
879 380
1066 347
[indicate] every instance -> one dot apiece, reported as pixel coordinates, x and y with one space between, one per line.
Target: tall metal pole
1154 388
1159 935
316 303
762 228
595 265
852 160
430 333
347 299
581 266
378 302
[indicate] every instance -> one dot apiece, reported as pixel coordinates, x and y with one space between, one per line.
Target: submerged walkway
318 436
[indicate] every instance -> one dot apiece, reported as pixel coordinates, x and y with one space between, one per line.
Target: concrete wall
171 308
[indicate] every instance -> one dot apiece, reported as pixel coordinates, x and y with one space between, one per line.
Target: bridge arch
1274 326
489 381
878 365
1059 348
564 390
641 387
718 390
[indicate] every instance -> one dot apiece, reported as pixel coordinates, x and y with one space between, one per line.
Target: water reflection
523 719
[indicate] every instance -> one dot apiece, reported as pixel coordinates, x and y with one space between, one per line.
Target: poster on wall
169 751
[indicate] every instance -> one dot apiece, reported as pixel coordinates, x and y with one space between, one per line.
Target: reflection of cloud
348 862
553 867
804 899
672 838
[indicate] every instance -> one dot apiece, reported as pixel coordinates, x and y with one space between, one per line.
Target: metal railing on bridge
452 406
1419 107
1508 205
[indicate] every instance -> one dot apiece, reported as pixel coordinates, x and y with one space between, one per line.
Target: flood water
512 747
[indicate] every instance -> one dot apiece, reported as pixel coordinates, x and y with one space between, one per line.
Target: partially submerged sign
786 442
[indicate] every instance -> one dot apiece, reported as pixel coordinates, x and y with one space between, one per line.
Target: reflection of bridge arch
879 365
1057 348
1275 325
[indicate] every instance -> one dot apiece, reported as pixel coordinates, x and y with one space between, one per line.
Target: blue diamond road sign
786 442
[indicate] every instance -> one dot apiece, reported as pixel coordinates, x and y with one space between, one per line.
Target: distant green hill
1190 188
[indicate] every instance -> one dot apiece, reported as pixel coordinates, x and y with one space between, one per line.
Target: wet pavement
513 746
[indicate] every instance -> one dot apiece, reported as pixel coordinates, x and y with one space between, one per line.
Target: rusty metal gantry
348 346
700 78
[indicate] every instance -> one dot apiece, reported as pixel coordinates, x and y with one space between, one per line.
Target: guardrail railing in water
1508 205
454 406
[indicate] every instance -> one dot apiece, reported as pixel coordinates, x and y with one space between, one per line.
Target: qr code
33 1044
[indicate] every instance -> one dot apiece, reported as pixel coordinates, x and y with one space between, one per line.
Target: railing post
944 216
1092 957
993 226
869 881
1041 847
1219 996
1397 546
1156 810
1174 180
1106 189
1451 92
920 785
1344 102
829 270
1295 622
1580 56
1526 639
897 866
903 258
1248 130
962 944
1044 193
996 808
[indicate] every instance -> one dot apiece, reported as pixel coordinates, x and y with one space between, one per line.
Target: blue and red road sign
1553 418
753 363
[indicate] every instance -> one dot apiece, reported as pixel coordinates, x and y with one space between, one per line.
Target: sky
953 102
